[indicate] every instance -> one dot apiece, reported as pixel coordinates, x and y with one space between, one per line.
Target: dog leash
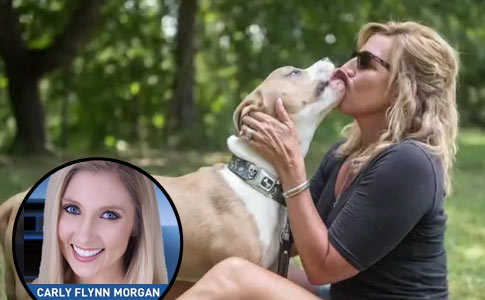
286 240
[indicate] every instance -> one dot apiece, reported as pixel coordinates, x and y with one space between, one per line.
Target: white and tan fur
221 215
13 286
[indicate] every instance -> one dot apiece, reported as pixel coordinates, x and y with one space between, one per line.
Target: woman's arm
278 141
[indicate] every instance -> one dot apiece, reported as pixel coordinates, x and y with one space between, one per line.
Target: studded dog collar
257 177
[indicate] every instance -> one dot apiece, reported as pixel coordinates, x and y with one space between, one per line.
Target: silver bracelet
296 190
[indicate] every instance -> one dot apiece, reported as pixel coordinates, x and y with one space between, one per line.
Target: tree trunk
183 111
28 111
26 66
65 107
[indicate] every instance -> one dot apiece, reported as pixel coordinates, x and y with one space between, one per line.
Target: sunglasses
364 59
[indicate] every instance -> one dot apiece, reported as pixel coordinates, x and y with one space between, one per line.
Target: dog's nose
325 68
321 70
326 64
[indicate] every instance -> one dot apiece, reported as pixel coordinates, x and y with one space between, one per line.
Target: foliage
117 91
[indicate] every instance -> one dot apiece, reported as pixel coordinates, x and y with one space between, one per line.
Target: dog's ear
253 102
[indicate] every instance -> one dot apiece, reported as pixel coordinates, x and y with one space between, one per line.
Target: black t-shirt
389 223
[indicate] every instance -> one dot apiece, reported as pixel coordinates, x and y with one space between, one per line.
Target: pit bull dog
8 276
230 209
233 209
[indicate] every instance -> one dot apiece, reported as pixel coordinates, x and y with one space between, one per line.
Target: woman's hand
277 140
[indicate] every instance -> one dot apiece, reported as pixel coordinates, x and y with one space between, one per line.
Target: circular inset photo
97 221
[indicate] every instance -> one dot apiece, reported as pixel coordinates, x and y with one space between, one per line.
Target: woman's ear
393 93
134 230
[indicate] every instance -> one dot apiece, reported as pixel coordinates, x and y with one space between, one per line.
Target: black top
389 223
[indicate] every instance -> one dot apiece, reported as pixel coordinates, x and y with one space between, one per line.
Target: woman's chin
83 271
83 274
344 108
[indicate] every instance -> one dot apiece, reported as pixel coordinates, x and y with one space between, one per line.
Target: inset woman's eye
72 209
110 215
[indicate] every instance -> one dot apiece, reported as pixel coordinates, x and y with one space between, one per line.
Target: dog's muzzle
321 86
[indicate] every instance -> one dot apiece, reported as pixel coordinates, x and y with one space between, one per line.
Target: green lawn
465 240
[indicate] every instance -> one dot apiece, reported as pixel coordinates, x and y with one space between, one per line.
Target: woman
101 225
373 221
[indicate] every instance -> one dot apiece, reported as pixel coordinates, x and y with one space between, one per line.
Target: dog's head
304 91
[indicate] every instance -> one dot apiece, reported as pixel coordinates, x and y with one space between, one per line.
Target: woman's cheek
120 233
66 228
113 234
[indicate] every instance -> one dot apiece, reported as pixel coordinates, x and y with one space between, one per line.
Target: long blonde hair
144 258
424 70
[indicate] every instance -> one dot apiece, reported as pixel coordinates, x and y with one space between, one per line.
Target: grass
465 239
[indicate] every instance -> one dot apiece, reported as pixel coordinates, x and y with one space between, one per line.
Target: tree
187 64
183 110
26 66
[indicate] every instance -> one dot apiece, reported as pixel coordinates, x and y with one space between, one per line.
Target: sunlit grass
472 137
465 238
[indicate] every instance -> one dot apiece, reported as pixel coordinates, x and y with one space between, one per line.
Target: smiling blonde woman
101 218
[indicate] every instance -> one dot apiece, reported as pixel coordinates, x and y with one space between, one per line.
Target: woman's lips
340 75
86 255
338 84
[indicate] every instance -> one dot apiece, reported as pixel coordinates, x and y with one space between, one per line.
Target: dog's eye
295 72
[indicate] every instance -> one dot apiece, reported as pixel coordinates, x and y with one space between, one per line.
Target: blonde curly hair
424 70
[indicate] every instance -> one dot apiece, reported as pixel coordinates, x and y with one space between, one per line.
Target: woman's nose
349 68
85 230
